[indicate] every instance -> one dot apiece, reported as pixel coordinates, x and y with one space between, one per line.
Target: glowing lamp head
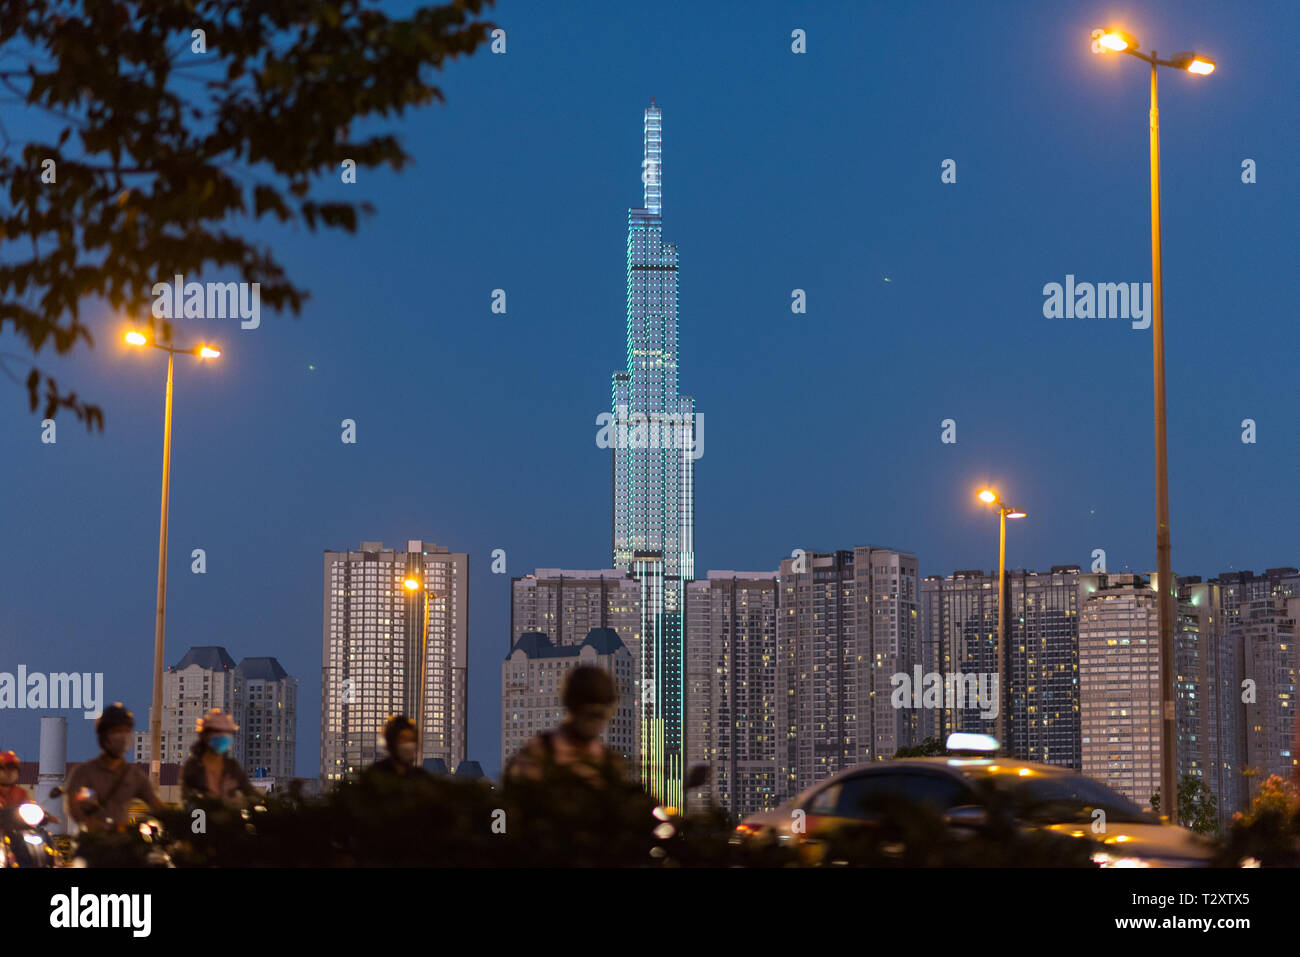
1016 513
1118 41
134 338
987 496
207 352
1196 63
411 584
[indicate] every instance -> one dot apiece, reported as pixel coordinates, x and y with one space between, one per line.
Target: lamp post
134 338
1120 42
413 584
990 497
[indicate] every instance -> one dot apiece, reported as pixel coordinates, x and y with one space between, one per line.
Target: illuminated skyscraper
384 643
654 451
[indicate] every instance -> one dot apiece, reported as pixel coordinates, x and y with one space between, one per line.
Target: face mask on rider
220 743
406 751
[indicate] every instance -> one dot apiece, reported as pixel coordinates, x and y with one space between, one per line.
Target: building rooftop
262 669
208 657
535 644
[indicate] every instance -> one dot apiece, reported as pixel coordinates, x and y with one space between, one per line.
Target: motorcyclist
590 698
402 742
99 791
12 793
210 771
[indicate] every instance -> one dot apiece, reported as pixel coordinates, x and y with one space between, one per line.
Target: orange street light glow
136 339
1201 65
1016 513
1117 40
411 584
988 496
207 352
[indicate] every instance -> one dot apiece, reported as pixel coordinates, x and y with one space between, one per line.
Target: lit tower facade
654 453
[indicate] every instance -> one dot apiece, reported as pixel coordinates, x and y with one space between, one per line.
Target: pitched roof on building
262 669
208 657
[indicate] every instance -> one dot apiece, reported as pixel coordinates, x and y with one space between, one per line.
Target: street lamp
990 497
135 338
1201 65
413 584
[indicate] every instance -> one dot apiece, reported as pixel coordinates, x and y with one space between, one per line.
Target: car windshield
1062 799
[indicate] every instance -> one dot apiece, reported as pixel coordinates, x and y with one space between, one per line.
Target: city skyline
863 379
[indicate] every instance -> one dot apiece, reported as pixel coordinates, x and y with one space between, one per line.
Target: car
969 792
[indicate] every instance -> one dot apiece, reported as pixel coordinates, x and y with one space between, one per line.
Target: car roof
967 766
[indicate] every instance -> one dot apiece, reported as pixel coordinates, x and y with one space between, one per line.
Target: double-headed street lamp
990 497
1120 42
134 338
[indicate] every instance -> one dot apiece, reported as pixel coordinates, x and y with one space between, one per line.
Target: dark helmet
395 726
116 715
588 684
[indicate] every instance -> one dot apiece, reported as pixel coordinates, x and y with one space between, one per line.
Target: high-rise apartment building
1208 669
1119 684
268 719
532 685
848 622
1268 633
654 439
1041 697
731 690
395 630
1254 712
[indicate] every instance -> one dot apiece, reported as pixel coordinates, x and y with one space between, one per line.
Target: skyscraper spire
652 164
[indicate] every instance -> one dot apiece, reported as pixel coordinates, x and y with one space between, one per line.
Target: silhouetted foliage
164 156
1198 810
1269 831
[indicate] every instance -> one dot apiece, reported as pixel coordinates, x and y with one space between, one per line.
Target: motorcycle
24 840
142 842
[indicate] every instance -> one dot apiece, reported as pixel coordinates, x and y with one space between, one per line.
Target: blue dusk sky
818 171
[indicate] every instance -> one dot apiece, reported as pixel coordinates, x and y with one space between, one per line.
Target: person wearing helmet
210 771
590 699
403 748
12 793
98 792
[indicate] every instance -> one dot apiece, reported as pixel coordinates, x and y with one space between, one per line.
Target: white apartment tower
395 630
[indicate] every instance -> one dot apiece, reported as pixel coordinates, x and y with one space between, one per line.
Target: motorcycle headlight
31 814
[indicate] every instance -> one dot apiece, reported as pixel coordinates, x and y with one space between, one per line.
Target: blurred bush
1269 831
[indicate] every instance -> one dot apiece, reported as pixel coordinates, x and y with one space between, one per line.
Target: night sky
818 171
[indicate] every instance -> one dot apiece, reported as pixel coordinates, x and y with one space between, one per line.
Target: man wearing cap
98 792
